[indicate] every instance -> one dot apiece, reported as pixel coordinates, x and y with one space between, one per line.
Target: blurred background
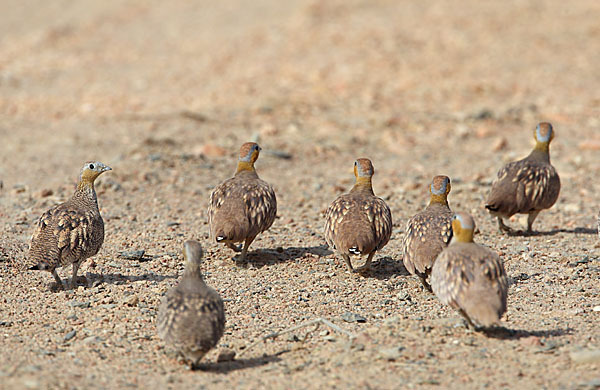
412 85
165 92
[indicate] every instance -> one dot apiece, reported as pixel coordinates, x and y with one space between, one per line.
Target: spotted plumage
358 223
72 231
242 207
469 277
527 186
191 316
428 232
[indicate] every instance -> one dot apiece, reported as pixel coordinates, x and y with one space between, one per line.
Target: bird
428 232
70 232
358 223
243 206
191 315
470 277
527 186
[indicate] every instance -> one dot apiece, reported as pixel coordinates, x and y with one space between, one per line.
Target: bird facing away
358 223
242 207
72 231
527 186
469 277
428 232
191 317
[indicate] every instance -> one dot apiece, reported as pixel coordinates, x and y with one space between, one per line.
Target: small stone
499 144
293 338
225 355
132 255
596 309
391 354
353 317
70 335
211 150
91 340
82 305
531 341
586 356
131 300
46 192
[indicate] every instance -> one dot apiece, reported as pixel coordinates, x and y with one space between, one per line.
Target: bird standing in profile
358 223
428 232
191 316
242 207
527 186
72 231
469 277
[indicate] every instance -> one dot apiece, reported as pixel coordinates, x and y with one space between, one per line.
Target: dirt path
165 92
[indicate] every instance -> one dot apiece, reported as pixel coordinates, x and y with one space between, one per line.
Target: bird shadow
239 364
504 333
577 230
386 268
263 257
94 279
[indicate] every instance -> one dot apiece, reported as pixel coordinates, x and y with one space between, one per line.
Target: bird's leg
470 324
74 277
367 266
233 247
59 284
348 263
245 249
425 283
530 218
503 228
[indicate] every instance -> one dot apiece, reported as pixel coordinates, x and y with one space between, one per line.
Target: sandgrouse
72 231
358 223
242 207
428 232
191 317
527 186
469 277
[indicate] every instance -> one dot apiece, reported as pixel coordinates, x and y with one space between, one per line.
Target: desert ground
166 92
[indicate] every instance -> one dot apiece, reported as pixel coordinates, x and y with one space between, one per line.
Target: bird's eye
91 166
355 163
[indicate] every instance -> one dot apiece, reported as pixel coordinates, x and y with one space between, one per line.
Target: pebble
353 317
586 356
131 300
83 305
596 308
391 354
226 355
70 335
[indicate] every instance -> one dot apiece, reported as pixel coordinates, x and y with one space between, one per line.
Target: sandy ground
165 92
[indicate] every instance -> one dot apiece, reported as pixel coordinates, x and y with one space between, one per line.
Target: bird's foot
234 247
56 287
79 280
363 270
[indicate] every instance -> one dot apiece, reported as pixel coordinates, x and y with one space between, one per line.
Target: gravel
166 100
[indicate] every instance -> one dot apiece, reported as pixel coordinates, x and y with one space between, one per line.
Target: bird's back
191 318
67 233
472 278
358 220
427 234
241 207
524 186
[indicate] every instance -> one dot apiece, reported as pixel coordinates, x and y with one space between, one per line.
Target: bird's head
463 227
439 189
248 155
90 171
